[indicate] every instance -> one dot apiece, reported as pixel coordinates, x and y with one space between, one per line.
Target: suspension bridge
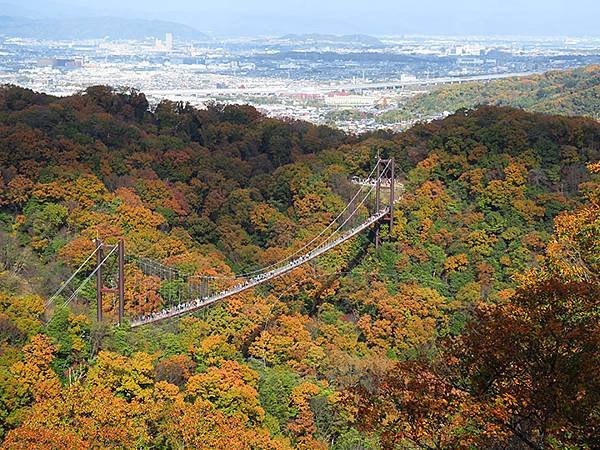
193 291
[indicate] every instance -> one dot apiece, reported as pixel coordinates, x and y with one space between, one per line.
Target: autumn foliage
474 325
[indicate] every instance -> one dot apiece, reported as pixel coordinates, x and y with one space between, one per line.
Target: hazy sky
524 17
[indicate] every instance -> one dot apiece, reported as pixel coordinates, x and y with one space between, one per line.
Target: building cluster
341 83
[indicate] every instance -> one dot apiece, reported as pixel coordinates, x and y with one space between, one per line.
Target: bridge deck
197 304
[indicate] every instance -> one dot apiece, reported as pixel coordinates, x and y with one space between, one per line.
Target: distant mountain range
94 28
354 39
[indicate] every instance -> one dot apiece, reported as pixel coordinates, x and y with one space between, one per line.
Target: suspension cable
151 264
263 269
355 210
325 242
66 283
162 267
83 284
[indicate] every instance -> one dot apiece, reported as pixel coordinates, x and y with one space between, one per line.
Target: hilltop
93 28
572 93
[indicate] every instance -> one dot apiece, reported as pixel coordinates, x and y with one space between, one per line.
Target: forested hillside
475 325
571 92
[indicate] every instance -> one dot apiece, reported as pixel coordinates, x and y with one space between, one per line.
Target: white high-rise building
169 41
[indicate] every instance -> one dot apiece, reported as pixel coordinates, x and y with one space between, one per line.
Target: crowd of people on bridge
384 182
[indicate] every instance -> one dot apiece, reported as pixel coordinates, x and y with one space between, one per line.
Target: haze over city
379 17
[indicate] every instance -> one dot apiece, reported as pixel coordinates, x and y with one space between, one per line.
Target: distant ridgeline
571 92
94 28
